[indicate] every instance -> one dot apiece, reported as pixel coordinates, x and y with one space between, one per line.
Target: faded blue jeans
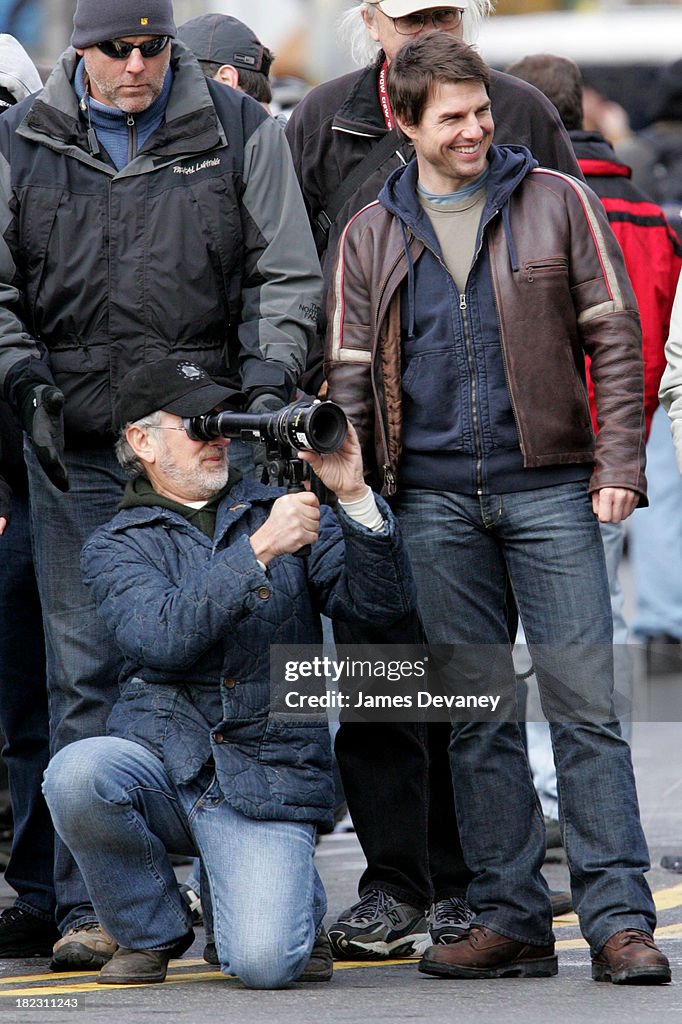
83 661
115 806
546 543
656 540
538 736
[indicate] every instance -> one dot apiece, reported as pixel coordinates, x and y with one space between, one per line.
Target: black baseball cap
225 40
179 386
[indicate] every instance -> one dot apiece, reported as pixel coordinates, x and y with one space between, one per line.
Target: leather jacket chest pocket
541 268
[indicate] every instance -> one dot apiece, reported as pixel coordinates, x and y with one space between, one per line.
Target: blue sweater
121 134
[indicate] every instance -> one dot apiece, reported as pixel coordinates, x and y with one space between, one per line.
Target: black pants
398 785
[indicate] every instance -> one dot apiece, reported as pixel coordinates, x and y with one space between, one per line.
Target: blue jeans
546 542
656 540
83 661
537 733
268 901
23 718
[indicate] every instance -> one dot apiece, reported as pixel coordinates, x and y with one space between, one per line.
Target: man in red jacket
650 247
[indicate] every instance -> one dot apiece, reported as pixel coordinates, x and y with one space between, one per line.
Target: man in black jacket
146 212
345 145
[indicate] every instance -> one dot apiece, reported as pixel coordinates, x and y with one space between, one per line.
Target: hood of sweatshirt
18 73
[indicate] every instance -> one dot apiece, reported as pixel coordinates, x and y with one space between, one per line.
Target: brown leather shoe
142 966
483 953
135 967
631 957
320 966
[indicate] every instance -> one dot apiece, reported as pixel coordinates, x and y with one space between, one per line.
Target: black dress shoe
672 862
561 902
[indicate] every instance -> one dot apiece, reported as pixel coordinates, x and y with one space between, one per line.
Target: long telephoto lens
319 427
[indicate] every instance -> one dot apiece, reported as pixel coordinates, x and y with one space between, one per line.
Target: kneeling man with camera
196 576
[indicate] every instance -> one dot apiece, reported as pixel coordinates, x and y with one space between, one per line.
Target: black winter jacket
198 248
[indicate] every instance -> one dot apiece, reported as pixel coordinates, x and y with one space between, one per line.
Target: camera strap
379 153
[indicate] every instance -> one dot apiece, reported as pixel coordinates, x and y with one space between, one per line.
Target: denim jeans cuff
614 927
76 924
28 908
177 946
509 933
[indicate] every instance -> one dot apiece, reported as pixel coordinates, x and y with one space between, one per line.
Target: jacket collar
191 124
509 165
597 156
360 113
242 497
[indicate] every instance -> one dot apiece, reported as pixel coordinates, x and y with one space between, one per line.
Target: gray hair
363 49
125 454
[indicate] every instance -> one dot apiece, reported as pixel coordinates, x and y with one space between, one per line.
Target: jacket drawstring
410 282
513 258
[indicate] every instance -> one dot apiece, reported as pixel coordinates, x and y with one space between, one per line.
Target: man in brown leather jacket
464 302
345 144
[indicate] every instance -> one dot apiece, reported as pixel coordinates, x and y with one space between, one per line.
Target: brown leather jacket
564 294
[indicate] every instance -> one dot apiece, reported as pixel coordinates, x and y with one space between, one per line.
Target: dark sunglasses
117 49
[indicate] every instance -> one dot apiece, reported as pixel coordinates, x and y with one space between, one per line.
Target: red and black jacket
650 247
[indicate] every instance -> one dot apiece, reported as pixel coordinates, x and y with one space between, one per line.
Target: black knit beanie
95 21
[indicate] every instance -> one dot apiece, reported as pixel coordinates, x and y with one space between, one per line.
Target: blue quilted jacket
195 618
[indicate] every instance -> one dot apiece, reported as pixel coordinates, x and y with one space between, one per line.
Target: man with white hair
345 144
339 122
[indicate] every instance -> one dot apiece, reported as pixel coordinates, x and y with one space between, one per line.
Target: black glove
42 419
264 401
5 500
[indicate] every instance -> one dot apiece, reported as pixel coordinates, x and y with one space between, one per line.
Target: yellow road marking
664 899
667 931
565 921
183 972
175 977
345 965
670 931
